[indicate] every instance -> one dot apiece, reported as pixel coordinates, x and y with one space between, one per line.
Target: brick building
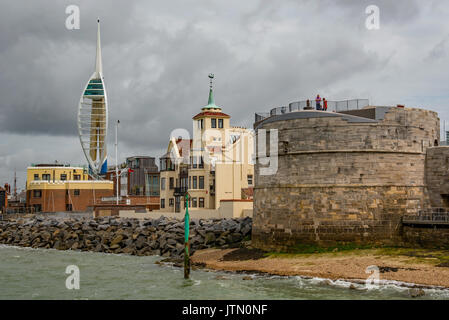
57 188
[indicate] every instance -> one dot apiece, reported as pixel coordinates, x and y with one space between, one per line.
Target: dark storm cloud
157 55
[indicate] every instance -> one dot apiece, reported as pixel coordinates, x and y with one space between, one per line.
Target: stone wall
426 237
437 176
342 177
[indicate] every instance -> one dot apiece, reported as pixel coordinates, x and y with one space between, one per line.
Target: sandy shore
341 265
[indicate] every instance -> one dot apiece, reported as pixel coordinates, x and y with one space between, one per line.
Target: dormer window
213 123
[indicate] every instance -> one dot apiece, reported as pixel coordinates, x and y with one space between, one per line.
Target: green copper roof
211 98
211 103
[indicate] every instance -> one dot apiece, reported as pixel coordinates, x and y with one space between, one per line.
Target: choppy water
40 274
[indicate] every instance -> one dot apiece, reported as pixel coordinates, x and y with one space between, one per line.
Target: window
201 202
36 176
202 123
250 179
63 176
201 164
213 123
76 177
190 182
37 193
195 182
220 123
162 184
68 207
194 203
46 176
201 186
162 203
194 162
171 202
154 187
76 192
172 182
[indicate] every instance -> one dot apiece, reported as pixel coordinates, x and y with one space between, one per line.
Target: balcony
180 191
184 173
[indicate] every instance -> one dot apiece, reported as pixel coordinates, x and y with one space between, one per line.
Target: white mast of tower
98 62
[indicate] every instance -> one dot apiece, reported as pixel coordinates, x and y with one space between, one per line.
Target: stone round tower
342 177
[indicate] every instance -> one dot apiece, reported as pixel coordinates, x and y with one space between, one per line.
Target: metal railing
435 215
19 210
332 106
180 191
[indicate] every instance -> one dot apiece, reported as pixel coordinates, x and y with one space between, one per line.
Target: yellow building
53 173
213 167
57 188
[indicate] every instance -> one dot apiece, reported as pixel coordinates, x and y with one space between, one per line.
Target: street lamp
116 160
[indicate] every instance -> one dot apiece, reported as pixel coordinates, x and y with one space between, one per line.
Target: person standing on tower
318 102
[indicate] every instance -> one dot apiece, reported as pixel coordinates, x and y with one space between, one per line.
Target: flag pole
116 162
186 240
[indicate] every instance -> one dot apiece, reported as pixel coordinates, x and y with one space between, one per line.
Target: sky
157 56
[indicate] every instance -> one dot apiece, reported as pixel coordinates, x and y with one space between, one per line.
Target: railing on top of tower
332 106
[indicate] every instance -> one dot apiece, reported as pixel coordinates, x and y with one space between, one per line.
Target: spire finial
211 76
211 95
98 63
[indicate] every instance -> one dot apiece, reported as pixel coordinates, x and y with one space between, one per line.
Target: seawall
162 236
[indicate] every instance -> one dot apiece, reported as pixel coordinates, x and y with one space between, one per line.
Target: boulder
140 242
416 292
172 242
114 246
116 240
209 238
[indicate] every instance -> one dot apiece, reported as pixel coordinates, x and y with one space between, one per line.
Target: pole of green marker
186 240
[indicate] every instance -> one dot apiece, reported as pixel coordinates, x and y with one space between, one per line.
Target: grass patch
432 256
436 257
308 249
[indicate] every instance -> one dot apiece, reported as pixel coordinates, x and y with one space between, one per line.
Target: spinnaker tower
93 117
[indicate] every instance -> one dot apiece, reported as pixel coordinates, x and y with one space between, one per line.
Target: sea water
27 273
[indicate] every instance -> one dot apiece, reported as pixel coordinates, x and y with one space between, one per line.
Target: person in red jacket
325 104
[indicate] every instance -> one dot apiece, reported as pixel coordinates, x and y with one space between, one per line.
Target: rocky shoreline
163 236
398 270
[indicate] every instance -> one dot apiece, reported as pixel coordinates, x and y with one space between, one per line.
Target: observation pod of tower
93 117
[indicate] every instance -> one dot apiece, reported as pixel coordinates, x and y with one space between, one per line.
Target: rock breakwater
162 236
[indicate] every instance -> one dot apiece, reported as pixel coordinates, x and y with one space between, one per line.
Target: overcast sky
157 55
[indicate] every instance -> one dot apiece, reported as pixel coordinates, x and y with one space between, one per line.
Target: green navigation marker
186 240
